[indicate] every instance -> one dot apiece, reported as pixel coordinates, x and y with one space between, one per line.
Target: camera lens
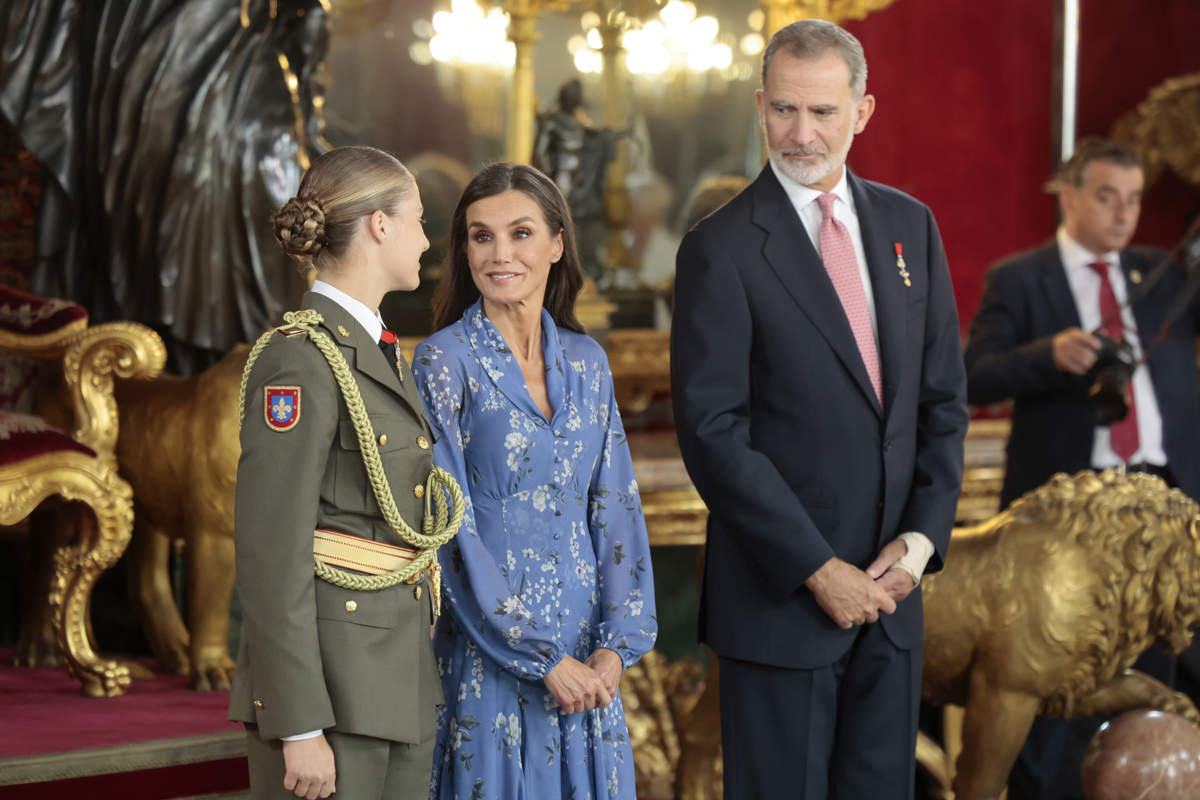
1107 396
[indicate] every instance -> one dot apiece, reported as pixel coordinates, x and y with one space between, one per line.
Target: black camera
1108 396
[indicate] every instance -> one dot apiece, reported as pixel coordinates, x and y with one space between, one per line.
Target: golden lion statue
178 448
1044 608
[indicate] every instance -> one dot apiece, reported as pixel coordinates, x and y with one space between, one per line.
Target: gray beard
805 175
813 173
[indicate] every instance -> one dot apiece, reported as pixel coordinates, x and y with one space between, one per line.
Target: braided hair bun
300 227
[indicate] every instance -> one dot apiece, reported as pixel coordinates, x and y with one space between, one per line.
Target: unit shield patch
282 407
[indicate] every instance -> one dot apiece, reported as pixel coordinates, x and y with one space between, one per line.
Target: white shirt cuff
300 736
920 550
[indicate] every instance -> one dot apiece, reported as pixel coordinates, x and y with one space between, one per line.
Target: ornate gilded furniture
38 460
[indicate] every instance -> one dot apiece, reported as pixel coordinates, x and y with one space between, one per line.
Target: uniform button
351 605
258 704
419 490
422 443
887 445
382 439
417 592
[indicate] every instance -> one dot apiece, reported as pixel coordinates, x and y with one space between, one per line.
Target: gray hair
813 38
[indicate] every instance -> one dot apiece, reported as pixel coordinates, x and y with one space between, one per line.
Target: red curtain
966 103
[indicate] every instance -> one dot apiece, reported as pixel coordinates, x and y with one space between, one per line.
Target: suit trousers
367 767
845 731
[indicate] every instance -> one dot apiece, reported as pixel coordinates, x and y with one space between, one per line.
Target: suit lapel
791 255
359 350
886 285
1058 291
1147 315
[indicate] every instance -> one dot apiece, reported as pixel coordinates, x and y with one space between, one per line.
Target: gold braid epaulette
441 521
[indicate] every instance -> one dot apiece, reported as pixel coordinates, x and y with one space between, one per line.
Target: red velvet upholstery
23 436
32 315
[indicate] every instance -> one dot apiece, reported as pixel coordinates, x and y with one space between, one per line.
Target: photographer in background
1038 334
1095 382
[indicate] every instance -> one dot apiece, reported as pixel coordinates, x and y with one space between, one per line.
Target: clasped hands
851 596
583 685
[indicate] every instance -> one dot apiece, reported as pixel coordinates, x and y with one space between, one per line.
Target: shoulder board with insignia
288 330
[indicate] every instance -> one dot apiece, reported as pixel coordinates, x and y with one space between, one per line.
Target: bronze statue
168 130
576 154
1044 608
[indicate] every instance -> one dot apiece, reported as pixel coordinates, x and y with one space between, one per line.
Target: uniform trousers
367 767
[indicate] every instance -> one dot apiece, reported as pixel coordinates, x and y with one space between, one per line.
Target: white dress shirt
1085 288
372 323
804 201
370 320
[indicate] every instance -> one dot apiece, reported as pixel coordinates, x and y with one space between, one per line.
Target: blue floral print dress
552 559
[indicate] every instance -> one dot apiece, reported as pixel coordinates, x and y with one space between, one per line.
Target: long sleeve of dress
629 624
476 592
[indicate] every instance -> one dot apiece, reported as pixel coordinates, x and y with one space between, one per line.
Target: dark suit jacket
780 429
1027 300
308 657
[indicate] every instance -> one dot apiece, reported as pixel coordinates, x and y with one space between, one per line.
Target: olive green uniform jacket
312 655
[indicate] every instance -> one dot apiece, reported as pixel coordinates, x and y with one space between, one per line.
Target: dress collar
498 361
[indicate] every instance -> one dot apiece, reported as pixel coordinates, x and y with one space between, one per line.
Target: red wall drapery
966 104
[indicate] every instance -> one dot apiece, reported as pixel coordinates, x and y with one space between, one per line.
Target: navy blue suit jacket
1009 355
780 428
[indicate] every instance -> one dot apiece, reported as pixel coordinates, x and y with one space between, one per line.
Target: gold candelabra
784 12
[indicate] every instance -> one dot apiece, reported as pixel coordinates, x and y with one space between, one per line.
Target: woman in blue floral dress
548 586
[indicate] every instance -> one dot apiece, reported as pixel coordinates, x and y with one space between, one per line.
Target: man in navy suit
1035 341
1034 338
820 406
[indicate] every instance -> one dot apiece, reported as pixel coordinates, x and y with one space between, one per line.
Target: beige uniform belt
361 555
346 551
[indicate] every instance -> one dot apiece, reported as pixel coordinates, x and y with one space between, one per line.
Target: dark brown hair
457 291
342 186
1087 150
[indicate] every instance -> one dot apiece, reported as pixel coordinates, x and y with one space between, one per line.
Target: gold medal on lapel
900 265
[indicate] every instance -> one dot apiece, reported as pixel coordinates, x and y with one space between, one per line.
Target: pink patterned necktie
837 251
1124 434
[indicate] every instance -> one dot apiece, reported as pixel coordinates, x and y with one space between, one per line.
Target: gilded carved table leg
100 541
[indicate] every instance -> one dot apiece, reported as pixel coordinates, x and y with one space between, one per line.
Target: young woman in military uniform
339 509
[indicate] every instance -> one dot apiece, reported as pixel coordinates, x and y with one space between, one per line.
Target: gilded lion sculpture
1044 608
178 448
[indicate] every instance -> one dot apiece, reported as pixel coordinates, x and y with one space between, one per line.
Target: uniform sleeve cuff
301 736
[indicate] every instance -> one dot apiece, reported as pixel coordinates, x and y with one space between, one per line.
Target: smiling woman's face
510 248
